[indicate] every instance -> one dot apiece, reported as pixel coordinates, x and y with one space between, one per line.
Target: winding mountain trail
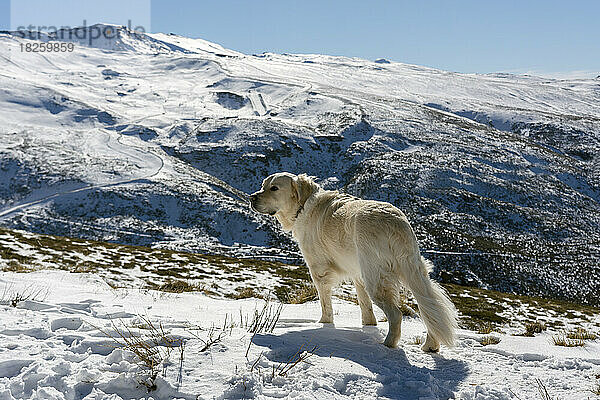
154 163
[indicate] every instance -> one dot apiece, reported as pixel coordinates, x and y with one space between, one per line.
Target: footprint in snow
71 323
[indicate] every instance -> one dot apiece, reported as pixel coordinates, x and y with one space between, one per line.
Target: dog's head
282 195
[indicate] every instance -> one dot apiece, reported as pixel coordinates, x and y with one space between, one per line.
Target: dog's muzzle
254 205
253 200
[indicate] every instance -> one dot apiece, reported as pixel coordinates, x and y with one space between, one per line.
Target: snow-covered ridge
155 144
121 38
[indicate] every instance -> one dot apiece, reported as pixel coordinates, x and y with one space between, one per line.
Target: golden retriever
369 242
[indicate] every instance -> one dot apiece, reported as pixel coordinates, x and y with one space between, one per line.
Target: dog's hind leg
394 316
386 295
364 301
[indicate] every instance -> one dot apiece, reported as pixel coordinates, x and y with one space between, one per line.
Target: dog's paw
369 321
427 348
431 345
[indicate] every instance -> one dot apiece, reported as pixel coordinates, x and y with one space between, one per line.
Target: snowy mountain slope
55 339
151 139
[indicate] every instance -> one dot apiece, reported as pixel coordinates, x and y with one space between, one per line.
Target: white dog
369 242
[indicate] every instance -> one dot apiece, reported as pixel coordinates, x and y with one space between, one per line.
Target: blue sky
468 36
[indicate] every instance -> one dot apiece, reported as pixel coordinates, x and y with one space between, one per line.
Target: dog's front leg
364 301
326 307
324 283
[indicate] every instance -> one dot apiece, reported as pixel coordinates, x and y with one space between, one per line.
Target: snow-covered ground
55 346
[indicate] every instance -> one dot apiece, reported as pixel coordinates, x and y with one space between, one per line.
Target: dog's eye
274 188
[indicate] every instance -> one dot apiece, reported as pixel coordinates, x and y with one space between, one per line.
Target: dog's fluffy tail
436 308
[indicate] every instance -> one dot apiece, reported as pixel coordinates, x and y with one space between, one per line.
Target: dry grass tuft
246 293
561 339
418 340
303 293
348 297
574 338
177 286
14 266
596 389
487 340
582 334
532 328
408 310
485 328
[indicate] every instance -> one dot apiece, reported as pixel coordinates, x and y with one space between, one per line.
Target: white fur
368 242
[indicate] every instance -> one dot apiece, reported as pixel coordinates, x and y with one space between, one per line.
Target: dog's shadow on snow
399 378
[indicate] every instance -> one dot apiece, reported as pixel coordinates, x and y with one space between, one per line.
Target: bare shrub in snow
544 395
12 297
266 319
152 346
300 356
263 321
213 334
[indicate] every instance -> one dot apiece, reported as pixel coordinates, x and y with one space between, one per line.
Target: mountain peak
122 38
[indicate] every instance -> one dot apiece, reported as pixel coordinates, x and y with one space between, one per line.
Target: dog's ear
303 187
